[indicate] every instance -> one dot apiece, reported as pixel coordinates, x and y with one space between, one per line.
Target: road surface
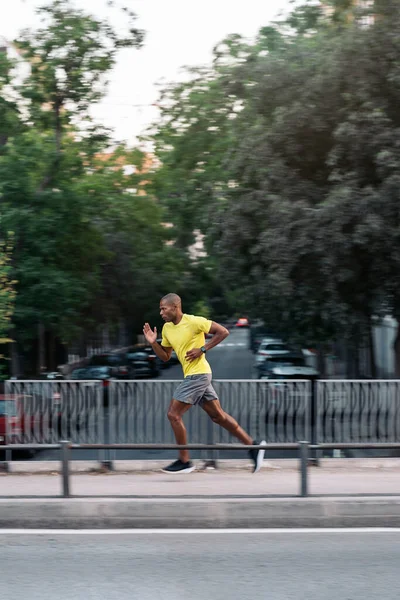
214 565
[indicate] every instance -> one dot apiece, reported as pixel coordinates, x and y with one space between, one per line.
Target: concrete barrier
106 513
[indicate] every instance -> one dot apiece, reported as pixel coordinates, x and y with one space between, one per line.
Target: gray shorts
196 389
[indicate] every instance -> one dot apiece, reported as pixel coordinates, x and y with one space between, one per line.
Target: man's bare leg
175 413
219 416
214 410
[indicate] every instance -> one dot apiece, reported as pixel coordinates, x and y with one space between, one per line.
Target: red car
10 420
242 322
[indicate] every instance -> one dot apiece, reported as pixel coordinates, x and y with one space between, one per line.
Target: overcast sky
178 32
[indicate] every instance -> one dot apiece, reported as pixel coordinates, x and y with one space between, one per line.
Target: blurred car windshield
106 359
273 347
137 355
90 373
8 407
295 361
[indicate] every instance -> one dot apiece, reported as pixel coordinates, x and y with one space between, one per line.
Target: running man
186 335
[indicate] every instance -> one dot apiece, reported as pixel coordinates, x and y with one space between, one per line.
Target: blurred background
246 158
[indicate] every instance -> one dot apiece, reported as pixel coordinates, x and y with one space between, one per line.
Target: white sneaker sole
260 457
189 470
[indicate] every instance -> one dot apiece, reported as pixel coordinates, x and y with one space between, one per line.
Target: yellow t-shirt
188 334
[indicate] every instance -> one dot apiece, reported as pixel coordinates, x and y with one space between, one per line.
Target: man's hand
193 354
149 334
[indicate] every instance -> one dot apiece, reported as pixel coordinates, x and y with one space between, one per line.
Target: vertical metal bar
65 452
111 393
8 453
314 412
114 391
101 398
211 459
303 451
8 440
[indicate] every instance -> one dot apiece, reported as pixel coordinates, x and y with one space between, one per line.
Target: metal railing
303 449
134 412
43 412
358 411
275 411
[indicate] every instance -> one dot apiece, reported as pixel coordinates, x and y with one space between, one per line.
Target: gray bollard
304 452
65 453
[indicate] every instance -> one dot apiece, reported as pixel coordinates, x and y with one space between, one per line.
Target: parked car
258 334
269 365
9 420
48 409
118 362
269 350
144 363
272 347
54 375
15 425
153 366
96 373
284 371
242 322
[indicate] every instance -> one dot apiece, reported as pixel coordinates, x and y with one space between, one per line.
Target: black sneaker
179 467
257 456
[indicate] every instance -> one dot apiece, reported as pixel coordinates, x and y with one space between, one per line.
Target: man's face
167 311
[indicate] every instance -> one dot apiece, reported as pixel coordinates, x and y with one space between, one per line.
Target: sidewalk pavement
343 492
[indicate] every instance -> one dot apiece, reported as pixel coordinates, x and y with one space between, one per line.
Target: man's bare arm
219 333
151 337
162 352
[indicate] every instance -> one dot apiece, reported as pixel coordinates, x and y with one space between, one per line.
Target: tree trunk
357 373
321 362
57 110
47 179
105 338
15 362
122 334
371 344
41 349
52 352
350 360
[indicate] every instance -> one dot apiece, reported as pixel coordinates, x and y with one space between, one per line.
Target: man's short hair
172 299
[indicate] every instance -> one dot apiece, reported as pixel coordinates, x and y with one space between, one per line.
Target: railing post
303 451
314 413
211 458
8 454
65 453
109 398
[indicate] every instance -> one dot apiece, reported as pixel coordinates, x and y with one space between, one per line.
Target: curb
168 513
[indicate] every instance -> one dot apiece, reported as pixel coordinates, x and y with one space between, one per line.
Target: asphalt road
198 565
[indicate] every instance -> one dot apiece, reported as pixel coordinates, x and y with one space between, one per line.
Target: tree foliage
90 250
291 147
7 292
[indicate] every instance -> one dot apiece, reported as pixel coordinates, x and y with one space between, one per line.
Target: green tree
304 213
88 250
7 301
